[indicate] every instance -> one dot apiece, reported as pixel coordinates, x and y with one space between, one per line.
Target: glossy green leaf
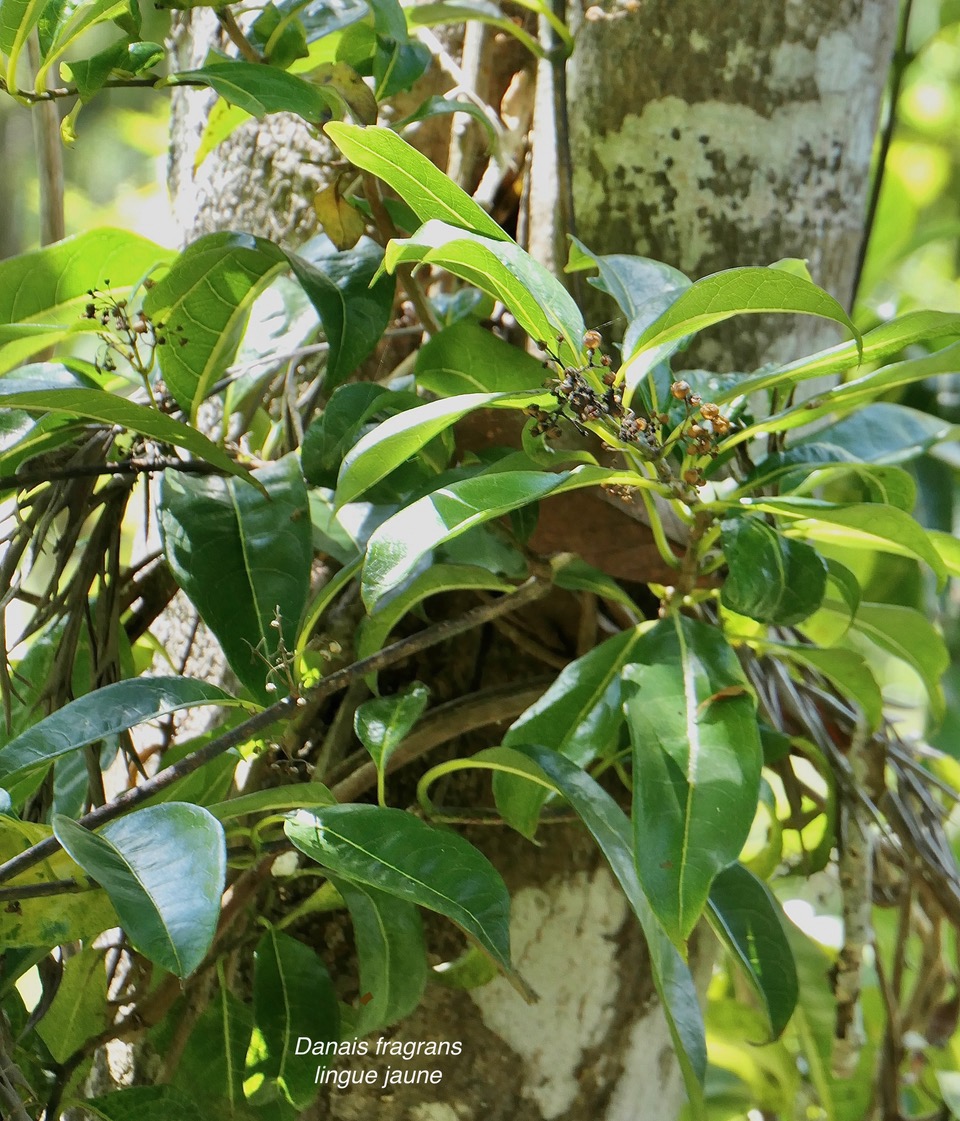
243 558
17 19
396 547
432 14
806 467
49 286
50 389
79 1009
337 429
415 179
538 301
278 37
401 436
849 672
103 713
353 306
260 89
853 525
143 1103
885 432
122 59
696 765
211 1069
574 574
205 299
401 855
382 724
747 919
63 21
293 996
910 636
737 292
499 760
948 547
438 578
771 578
610 828
580 716
882 342
388 934
440 106
164 869
273 798
465 358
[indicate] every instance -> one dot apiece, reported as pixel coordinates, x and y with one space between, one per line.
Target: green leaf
882 342
886 433
579 716
273 798
103 713
336 430
260 89
696 765
439 106
910 636
808 466
17 19
49 287
538 301
353 306
771 578
127 59
211 1069
48 921
415 179
205 299
164 869
293 996
405 857
79 1009
50 389
243 558
846 669
383 723
746 918
143 1103
393 958
63 21
279 38
465 358
610 828
738 292
854 525
395 547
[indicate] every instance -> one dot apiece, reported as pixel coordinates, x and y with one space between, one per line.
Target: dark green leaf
465 358
50 389
354 313
696 765
260 89
103 713
610 828
771 579
280 38
415 179
404 856
855 525
439 106
205 299
336 430
63 21
393 958
211 1069
579 716
431 14
243 558
884 432
89 74
164 869
383 723
273 798
293 996
747 919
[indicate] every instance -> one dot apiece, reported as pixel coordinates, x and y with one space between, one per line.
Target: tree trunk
729 154
716 135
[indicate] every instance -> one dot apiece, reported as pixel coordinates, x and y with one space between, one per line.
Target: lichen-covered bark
723 134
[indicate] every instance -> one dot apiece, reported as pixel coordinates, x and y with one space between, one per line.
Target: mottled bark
723 134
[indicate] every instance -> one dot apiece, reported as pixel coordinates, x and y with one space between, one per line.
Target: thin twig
25 479
235 32
527 593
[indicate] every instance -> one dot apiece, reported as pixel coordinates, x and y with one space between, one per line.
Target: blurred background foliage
115 175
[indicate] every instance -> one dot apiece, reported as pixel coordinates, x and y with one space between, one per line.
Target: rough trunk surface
715 135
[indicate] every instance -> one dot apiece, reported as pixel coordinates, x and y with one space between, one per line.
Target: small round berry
693 477
592 339
696 431
680 390
709 410
694 400
721 425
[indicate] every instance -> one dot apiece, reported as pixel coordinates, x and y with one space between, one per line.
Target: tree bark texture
712 135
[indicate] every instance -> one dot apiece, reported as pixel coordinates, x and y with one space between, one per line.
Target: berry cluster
131 335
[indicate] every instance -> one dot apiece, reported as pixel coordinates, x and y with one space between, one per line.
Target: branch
532 590
121 467
237 37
